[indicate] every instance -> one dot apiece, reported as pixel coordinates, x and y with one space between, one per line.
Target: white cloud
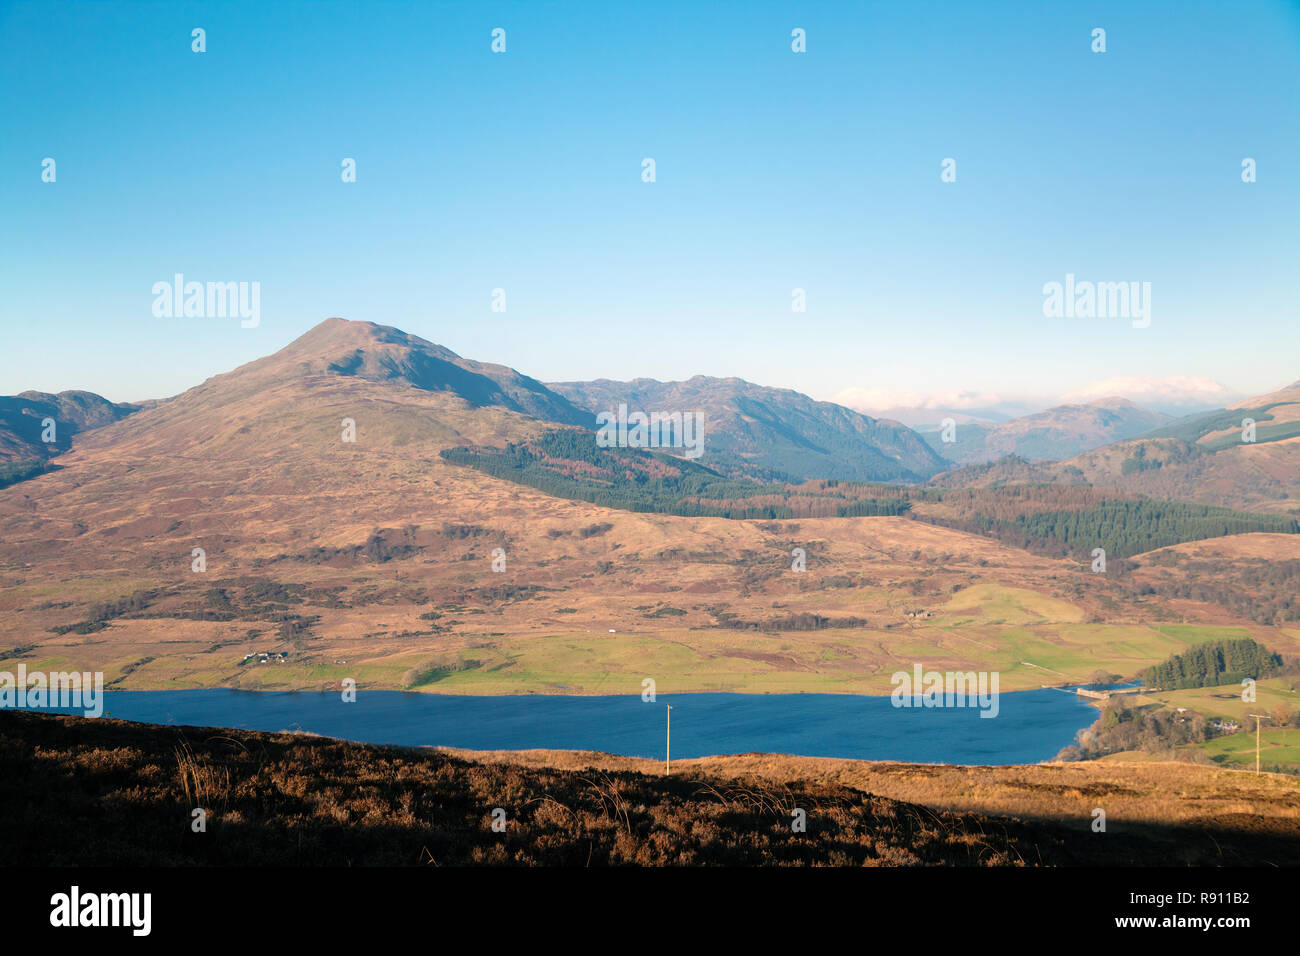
868 399
1177 391
1175 395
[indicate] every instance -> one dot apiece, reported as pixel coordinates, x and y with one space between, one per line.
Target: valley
386 560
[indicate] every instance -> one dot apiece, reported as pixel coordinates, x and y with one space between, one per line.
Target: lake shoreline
1027 726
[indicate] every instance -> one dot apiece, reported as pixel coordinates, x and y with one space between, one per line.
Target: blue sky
775 170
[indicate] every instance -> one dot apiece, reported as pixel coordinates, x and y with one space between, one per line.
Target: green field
828 661
1199 633
1030 639
1226 703
1278 748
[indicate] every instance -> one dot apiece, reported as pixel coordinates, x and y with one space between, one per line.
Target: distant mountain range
1056 433
773 433
924 417
1203 458
750 431
415 393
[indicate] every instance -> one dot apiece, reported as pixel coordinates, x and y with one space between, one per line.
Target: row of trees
1212 664
567 463
1122 526
12 472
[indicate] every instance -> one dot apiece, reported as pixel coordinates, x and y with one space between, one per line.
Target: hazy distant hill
1056 433
23 451
772 433
924 419
1200 458
1276 416
21 418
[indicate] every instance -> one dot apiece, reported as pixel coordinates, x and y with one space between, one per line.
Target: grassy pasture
1277 748
1030 653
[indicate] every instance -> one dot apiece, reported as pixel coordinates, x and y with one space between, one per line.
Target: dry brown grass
202 784
1131 792
86 792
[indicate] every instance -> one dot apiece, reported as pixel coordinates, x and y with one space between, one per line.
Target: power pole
1258 718
668 751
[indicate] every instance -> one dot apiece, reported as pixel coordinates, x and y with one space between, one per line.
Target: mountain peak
382 353
336 333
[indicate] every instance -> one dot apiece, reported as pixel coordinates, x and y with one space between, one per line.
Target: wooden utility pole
668 751
1258 718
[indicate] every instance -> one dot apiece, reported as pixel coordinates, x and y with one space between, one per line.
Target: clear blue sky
775 170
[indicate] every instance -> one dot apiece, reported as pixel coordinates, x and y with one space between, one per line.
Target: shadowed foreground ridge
98 792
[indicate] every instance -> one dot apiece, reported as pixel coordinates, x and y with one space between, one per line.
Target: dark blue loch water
1030 726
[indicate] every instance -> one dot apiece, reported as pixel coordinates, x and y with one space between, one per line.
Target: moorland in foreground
93 792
